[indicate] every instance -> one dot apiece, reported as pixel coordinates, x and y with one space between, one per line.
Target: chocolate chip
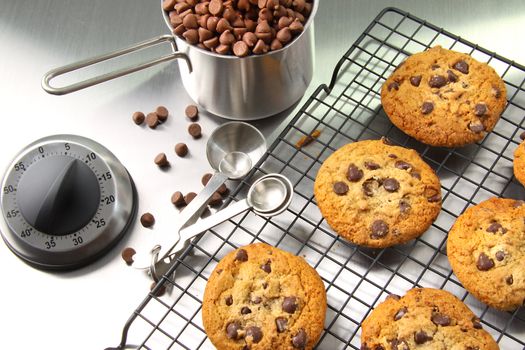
476 322
370 186
484 263
228 300
364 347
223 190
496 92
191 36
509 280
152 120
189 197
495 227
267 267
435 66
437 81
232 330
181 149
434 198
300 339
476 127
215 200
159 292
379 229
254 332
257 300
415 80
177 199
265 285
245 310
195 130
393 296
240 49
397 344
162 113
400 164
205 178
192 112
421 337
415 175
340 188
138 118
215 7
242 255
281 323
400 313
500 255
387 141
461 66
440 319
480 109
452 77
372 166
127 255
522 135
518 203
427 107
147 220
390 184
289 304
391 155
161 160
404 206
393 85
353 173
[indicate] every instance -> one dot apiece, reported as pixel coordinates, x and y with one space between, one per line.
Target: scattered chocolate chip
152 120
215 200
189 197
195 130
390 184
522 135
354 174
254 332
192 112
162 113
427 107
480 109
281 323
476 322
181 149
159 292
404 206
257 300
300 339
421 337
484 263
437 81
415 80
267 267
461 66
232 330
223 190
161 160
138 118
242 255
245 310
440 319
379 229
372 166
289 304
205 178
509 280
340 188
393 296
147 220
127 255
177 199
228 300
370 186
500 255
393 85
400 313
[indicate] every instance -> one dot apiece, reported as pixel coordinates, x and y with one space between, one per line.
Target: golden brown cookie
486 249
424 318
444 98
376 194
519 163
261 297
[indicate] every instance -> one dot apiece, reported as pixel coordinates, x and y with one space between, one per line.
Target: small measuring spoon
267 197
232 149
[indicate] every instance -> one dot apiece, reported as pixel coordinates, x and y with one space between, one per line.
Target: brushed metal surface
86 309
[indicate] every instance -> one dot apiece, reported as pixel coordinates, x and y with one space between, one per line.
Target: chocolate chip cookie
444 98
260 297
486 249
519 163
424 318
376 194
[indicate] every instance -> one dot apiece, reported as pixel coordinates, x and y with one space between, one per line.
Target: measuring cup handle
114 74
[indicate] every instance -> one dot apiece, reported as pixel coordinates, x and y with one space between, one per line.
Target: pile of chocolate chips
241 27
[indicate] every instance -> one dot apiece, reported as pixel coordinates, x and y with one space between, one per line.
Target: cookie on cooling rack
376 194
444 98
426 318
260 297
486 249
519 163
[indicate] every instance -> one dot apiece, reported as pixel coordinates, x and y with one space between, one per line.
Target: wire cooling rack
356 278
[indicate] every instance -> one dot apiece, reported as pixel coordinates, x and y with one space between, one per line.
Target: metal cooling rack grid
356 278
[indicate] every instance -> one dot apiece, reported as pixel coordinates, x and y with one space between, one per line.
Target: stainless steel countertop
86 309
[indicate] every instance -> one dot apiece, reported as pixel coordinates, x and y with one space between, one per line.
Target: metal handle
115 74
